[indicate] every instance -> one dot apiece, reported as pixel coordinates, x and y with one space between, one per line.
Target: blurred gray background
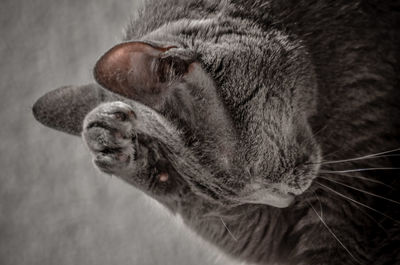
55 207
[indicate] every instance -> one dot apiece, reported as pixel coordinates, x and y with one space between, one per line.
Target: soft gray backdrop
55 207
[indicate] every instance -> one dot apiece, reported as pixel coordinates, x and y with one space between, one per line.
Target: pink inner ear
129 69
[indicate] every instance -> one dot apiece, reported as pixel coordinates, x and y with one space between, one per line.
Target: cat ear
139 70
65 108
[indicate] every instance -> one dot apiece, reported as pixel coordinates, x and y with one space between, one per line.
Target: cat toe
114 116
100 138
112 162
108 126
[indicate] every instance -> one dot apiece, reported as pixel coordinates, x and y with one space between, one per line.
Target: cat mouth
278 200
269 196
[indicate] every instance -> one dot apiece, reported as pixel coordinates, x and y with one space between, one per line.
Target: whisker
229 231
360 190
320 204
363 178
357 159
332 233
316 133
357 202
384 152
360 169
372 218
334 152
370 156
307 141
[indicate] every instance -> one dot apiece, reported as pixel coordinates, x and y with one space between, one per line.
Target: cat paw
109 133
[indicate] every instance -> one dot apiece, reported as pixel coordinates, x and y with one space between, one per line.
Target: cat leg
111 132
114 132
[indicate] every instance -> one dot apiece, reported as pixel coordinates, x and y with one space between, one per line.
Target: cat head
244 119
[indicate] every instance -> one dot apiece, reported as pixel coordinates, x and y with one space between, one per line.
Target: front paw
108 131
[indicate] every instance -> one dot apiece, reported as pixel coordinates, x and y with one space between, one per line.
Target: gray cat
264 124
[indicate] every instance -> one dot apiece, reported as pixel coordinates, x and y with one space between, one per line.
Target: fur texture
237 142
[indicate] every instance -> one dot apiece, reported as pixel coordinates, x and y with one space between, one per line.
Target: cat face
231 137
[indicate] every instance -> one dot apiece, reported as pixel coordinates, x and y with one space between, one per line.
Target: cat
267 125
